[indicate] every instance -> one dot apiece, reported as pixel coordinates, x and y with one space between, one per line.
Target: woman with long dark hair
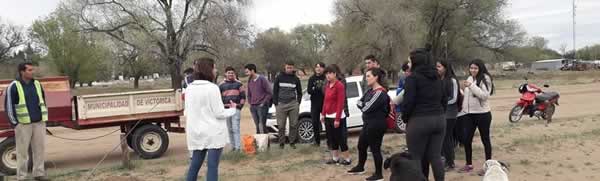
375 107
206 128
451 86
424 108
478 88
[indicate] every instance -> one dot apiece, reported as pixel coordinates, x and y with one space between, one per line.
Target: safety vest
21 107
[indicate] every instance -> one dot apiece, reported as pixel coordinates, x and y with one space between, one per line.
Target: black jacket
287 88
316 84
375 107
424 94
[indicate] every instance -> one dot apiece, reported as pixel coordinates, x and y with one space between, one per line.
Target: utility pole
574 32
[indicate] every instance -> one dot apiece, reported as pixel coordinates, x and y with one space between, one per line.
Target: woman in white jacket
206 128
478 88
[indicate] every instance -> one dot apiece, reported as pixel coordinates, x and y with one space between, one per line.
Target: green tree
312 42
457 28
275 48
589 53
72 53
538 42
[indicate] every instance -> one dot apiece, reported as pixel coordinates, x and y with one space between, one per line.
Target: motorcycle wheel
549 113
516 113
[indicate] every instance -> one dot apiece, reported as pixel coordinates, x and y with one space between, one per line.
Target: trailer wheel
150 141
8 151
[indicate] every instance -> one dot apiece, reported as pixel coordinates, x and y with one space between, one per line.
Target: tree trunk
80 84
136 82
174 70
72 83
90 84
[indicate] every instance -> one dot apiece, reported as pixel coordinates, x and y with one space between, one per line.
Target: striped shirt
233 91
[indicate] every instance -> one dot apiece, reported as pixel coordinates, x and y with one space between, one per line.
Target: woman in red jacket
334 117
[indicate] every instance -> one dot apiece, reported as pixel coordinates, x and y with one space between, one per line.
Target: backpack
248 145
390 120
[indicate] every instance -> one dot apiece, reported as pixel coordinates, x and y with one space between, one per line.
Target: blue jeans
212 174
233 125
259 114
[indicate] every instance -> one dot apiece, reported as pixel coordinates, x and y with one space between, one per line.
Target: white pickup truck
305 126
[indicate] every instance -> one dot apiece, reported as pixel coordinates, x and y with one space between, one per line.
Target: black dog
404 168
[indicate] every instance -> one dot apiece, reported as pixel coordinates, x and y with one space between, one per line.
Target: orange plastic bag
248 145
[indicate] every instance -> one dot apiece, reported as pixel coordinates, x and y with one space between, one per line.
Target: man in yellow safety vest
27 113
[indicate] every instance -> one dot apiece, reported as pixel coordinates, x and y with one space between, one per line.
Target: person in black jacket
452 90
316 85
424 107
375 105
287 95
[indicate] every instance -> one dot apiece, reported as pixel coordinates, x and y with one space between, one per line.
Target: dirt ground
565 150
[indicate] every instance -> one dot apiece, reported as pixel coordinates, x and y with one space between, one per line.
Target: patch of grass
159 170
525 162
307 149
300 165
272 154
234 157
69 173
266 170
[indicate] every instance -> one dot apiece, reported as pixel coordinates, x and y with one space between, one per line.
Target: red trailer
149 115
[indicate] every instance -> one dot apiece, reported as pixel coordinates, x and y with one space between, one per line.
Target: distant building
548 65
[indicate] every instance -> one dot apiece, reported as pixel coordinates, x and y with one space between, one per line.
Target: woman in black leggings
375 105
451 86
478 87
424 107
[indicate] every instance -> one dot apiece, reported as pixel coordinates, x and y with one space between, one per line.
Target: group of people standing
438 110
329 106
208 104
440 113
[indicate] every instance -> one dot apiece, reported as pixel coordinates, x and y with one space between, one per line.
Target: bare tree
563 50
171 26
385 28
11 37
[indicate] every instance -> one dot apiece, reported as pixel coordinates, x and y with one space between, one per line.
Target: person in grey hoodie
287 95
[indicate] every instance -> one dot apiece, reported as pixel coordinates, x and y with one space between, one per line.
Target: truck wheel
8 151
306 132
150 141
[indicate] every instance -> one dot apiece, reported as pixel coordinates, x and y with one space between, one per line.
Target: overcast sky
551 19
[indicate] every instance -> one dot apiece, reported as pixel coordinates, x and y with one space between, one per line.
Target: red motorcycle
534 102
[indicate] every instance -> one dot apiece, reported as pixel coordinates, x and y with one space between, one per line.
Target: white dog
495 171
